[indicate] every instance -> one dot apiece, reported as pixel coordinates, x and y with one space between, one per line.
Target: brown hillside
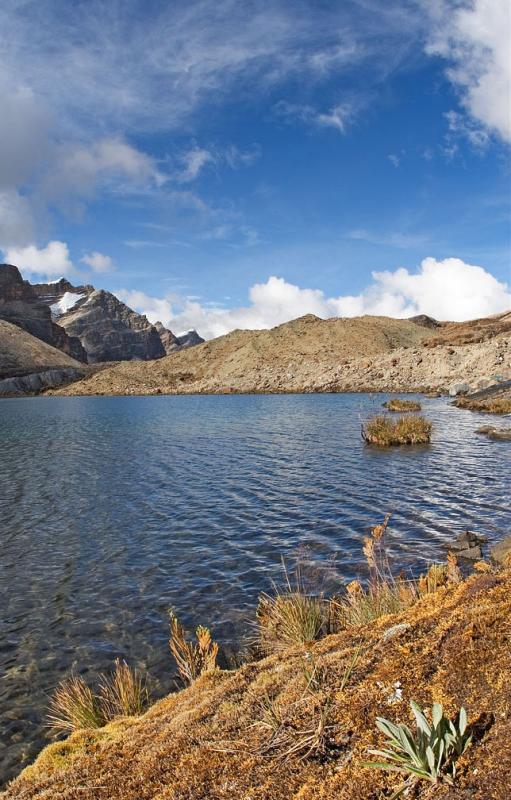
314 355
22 354
286 358
213 740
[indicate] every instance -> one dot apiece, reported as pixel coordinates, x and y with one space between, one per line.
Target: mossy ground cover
213 740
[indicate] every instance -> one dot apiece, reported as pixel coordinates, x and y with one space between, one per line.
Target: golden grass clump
289 619
386 432
75 706
489 405
124 693
192 659
398 404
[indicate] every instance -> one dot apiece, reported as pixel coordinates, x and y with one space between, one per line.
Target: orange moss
205 743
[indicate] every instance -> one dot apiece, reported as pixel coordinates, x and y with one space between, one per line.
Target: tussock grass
398 404
490 405
386 432
192 659
124 693
385 594
75 706
289 619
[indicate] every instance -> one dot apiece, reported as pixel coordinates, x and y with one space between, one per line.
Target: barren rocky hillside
21 353
314 355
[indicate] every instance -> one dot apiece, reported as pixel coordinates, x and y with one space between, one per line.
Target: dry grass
490 405
124 693
398 404
192 659
289 619
386 432
75 706
384 594
205 741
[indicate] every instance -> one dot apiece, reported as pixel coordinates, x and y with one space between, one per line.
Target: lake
113 509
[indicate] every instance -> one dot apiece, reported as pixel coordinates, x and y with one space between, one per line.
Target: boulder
468 545
456 389
492 432
502 551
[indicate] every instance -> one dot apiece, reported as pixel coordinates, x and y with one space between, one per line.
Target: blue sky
222 164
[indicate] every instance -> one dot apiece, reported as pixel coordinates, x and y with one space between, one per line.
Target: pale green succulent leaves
431 752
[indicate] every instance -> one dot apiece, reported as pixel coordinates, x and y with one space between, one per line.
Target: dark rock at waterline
468 545
38 381
493 432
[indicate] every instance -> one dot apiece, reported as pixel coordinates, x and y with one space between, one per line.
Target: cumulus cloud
51 260
475 38
99 262
448 289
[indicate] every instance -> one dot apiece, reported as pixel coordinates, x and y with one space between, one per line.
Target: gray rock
456 389
502 551
394 631
37 381
468 545
492 432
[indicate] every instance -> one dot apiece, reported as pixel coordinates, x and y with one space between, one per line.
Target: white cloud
337 117
193 162
394 160
99 262
50 260
447 290
475 38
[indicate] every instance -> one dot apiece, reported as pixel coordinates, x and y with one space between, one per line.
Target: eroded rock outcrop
21 306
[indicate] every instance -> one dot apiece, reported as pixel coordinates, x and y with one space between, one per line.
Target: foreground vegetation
384 431
400 405
326 712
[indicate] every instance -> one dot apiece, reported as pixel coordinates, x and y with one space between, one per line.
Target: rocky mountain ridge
108 329
21 306
91 325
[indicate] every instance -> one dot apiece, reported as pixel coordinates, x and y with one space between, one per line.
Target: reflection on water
114 509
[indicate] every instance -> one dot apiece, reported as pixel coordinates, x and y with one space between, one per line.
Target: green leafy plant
429 754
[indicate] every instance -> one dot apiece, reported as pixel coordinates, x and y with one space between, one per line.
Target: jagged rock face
109 330
189 339
424 321
167 338
21 306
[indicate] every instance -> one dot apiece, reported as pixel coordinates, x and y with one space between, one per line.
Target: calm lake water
114 509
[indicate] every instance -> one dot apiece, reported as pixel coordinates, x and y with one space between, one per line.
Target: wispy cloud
338 116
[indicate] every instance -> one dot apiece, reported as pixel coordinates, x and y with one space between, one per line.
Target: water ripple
114 509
